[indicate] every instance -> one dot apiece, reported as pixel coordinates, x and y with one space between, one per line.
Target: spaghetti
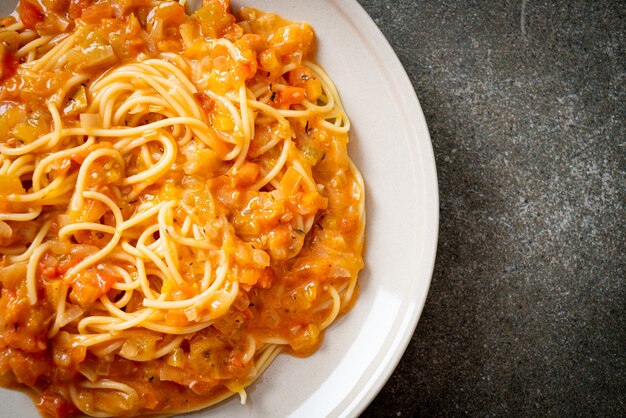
177 205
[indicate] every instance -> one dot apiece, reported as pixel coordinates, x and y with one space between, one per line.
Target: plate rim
420 137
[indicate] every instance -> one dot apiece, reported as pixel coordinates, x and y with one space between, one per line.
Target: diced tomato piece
270 62
214 17
97 12
307 203
206 102
58 6
55 405
248 312
22 326
69 262
235 360
292 95
126 6
291 38
173 14
27 367
106 279
89 285
176 318
266 279
305 77
30 14
246 175
249 276
76 8
10 183
8 64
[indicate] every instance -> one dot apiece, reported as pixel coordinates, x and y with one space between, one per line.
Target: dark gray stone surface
525 102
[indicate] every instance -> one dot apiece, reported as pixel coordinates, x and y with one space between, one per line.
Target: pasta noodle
177 206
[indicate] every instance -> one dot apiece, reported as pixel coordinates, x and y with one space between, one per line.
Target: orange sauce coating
287 300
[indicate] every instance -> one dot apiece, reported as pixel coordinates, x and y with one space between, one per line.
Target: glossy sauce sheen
283 272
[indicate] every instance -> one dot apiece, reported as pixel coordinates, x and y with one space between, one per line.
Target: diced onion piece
32 128
71 314
172 374
9 184
290 181
130 349
91 51
140 348
310 291
62 22
77 103
339 271
5 230
187 33
307 338
191 313
11 115
176 357
103 368
89 373
11 276
261 258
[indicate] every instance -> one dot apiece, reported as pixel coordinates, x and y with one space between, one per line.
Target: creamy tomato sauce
111 319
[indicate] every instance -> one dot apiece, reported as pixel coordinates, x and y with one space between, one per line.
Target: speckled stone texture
525 102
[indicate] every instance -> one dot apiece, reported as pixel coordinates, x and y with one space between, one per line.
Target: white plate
391 146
